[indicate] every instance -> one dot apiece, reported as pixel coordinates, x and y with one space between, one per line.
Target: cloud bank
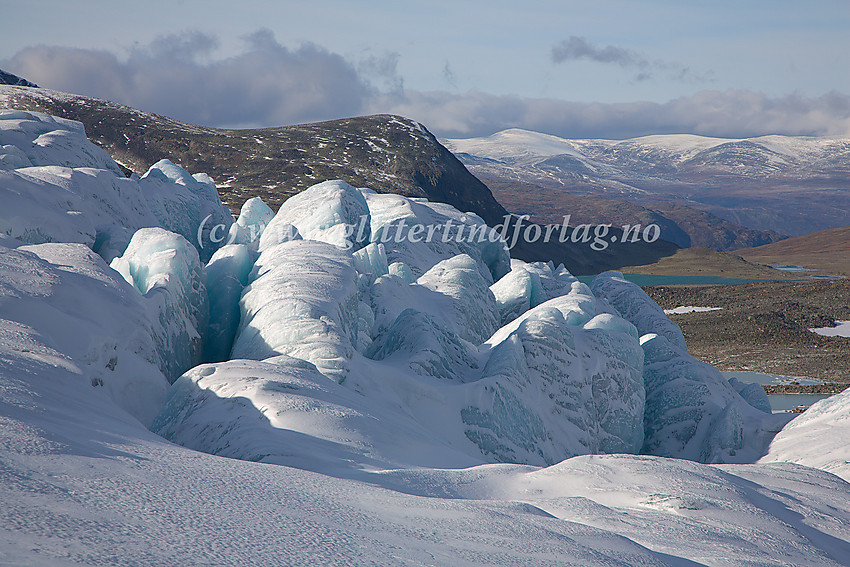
268 84
725 114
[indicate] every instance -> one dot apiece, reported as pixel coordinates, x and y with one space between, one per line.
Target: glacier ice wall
533 367
188 205
226 275
417 326
632 303
752 393
301 301
57 186
692 412
529 285
440 232
254 217
166 269
560 380
332 212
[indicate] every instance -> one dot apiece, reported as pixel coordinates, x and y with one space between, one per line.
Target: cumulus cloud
577 48
268 84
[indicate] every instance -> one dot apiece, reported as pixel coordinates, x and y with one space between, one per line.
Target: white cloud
267 84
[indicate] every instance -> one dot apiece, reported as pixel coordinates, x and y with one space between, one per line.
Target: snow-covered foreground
85 484
368 397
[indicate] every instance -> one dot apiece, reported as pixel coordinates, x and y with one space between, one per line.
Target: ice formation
562 378
538 366
559 382
529 285
283 410
692 412
57 186
165 268
253 219
301 301
440 232
753 393
188 205
226 276
632 303
333 212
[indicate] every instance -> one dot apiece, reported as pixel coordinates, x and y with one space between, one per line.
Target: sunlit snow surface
379 401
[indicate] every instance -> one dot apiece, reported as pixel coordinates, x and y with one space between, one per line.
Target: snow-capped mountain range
307 393
752 182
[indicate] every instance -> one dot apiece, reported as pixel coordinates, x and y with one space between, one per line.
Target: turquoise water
645 280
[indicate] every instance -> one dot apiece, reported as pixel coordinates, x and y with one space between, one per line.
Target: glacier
532 368
226 275
692 411
57 186
254 217
166 270
563 378
441 232
344 396
333 212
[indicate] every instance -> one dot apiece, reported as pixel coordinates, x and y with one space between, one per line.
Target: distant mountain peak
10 79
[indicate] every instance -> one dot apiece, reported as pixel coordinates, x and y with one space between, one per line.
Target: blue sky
579 69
